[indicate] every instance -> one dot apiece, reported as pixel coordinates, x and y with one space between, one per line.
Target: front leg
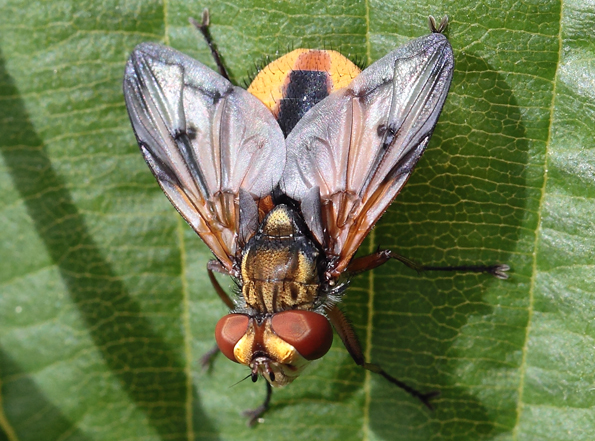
214 266
253 415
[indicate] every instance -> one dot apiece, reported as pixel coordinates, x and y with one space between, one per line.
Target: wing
359 146
213 147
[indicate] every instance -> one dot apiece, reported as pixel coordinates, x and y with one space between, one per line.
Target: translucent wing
358 146
204 140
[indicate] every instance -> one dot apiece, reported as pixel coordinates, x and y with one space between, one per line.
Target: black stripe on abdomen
304 89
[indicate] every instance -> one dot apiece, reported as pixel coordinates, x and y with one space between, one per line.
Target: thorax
280 265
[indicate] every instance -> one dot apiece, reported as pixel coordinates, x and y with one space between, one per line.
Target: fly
284 181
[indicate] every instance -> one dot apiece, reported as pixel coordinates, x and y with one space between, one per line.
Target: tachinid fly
284 188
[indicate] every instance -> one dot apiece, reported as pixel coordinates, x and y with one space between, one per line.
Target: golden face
266 353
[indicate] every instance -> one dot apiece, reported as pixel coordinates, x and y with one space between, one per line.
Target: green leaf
105 306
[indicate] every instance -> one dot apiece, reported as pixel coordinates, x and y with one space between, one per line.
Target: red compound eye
228 332
310 333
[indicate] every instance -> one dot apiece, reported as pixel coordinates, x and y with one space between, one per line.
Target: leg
203 27
350 341
380 257
437 29
254 414
206 360
213 265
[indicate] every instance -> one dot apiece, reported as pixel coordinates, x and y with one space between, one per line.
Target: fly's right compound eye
308 332
230 329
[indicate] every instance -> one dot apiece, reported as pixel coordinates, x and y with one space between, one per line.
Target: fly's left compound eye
308 332
230 329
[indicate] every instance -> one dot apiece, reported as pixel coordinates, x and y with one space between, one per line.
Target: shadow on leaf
453 332
149 370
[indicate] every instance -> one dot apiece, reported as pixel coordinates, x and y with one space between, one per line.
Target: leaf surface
105 306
